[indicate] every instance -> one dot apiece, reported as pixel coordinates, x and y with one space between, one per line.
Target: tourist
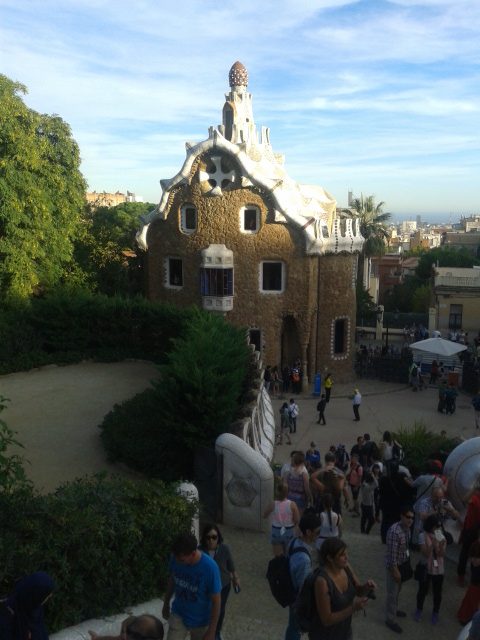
21 612
474 631
357 401
432 546
195 581
298 483
312 458
354 479
330 521
267 378
275 382
386 447
331 480
369 451
450 399
471 600
328 384
284 516
296 376
434 372
442 397
293 412
338 594
397 562
284 424
470 531
300 564
321 405
367 501
435 504
136 628
286 374
211 543
357 448
394 492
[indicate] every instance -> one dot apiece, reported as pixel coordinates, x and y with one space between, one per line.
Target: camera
371 594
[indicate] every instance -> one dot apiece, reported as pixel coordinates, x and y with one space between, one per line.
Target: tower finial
238 75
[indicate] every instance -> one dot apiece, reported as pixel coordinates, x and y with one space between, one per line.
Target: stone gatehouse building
234 234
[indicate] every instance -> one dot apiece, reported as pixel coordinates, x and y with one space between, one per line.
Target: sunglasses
212 537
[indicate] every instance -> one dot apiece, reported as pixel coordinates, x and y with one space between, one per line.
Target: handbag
406 571
420 573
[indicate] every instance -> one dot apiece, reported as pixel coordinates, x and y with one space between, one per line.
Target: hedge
105 541
66 326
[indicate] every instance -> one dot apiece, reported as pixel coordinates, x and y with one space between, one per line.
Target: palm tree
373 228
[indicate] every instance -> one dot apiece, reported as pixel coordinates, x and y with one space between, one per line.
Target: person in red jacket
470 531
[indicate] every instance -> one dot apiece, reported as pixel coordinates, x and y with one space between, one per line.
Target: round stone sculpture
462 468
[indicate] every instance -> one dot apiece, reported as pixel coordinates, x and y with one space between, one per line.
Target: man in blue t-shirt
195 580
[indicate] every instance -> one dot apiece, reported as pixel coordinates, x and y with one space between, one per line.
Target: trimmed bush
195 399
419 445
66 326
105 541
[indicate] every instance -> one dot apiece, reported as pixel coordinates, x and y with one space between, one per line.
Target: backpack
304 607
279 578
397 451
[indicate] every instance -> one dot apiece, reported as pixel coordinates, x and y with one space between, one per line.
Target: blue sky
375 96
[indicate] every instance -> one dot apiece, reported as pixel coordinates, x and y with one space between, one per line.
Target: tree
107 250
42 194
373 229
444 257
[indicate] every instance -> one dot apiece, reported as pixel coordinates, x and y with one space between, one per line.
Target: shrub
194 400
12 471
68 326
420 445
105 541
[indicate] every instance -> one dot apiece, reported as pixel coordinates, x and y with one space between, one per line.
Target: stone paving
56 411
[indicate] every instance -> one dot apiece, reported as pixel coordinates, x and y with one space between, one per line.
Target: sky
376 97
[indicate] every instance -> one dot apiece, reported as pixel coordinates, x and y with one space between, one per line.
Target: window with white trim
188 218
216 278
272 276
249 219
174 273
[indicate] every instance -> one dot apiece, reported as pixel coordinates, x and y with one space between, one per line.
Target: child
330 522
367 502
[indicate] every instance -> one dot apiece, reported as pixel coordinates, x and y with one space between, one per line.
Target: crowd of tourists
368 481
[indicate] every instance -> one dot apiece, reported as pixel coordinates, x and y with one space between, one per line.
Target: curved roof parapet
309 207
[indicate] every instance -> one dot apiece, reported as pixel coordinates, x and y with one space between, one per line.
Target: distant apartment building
469 241
408 226
388 270
104 199
424 240
457 299
470 223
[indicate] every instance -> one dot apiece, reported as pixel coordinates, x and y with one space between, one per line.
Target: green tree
421 299
444 257
372 227
42 194
107 250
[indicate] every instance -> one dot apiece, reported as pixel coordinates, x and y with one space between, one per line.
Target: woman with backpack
337 593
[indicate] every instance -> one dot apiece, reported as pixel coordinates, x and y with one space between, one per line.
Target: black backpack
305 608
279 578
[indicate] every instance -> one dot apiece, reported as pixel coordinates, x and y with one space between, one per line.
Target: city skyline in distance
376 97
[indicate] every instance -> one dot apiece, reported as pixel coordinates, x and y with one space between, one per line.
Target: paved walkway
56 411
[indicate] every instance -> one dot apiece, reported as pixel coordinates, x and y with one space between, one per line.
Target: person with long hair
284 516
432 546
330 522
21 612
470 531
338 593
211 543
298 482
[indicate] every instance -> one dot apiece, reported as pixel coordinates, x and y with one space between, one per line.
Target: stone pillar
305 380
432 320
